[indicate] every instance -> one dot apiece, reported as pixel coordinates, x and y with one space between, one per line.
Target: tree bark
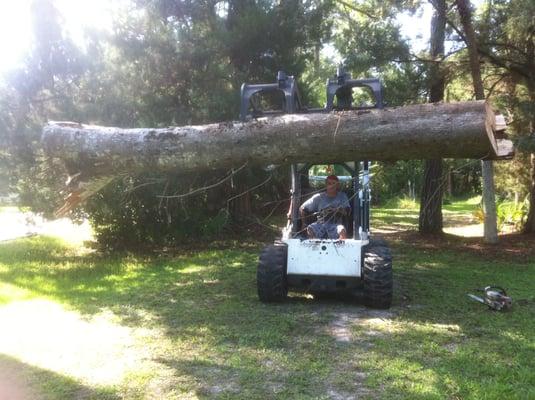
95 156
457 130
487 170
529 143
529 227
430 219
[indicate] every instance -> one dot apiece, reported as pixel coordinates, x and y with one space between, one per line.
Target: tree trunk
457 130
487 171
94 156
430 219
449 189
529 227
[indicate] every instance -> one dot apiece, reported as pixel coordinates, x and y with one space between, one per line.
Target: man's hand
343 211
332 212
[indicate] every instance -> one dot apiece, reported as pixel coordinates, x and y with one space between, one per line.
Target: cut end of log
503 149
496 126
499 123
506 149
490 123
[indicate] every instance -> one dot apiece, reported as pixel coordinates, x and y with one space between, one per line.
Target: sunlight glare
95 350
15 223
78 15
416 28
82 14
15 32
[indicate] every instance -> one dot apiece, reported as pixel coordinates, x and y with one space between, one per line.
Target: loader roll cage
358 224
339 90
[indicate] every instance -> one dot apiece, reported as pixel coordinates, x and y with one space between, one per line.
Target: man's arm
308 206
302 213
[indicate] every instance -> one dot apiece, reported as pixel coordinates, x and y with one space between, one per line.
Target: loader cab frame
358 224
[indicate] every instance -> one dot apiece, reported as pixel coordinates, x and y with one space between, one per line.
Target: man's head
331 183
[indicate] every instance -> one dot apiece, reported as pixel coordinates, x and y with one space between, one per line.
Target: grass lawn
77 325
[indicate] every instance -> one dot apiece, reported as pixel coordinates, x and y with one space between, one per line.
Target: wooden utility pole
487 170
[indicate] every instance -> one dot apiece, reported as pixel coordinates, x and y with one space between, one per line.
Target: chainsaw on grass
495 297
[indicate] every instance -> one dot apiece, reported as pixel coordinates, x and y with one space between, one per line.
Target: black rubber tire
377 274
271 279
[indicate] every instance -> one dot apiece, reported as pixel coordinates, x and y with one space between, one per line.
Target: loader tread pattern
271 273
377 275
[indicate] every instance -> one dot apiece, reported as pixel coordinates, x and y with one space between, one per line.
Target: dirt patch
13 385
336 395
353 329
514 246
340 326
223 387
219 382
355 388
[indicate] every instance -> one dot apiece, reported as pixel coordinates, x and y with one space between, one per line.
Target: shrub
512 214
508 213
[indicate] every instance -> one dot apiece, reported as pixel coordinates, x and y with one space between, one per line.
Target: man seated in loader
331 207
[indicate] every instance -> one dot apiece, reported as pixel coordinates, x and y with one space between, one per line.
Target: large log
442 130
95 155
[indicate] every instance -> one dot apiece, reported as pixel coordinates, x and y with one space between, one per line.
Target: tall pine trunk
431 200
529 227
487 170
430 220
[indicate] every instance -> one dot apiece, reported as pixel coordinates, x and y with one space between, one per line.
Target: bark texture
487 170
529 143
457 130
430 218
95 156
529 227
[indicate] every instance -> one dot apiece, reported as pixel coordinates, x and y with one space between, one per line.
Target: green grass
468 205
397 213
402 213
442 345
190 326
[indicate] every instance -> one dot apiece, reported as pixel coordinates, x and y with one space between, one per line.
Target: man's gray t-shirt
321 201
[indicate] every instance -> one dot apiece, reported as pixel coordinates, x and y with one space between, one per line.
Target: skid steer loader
360 264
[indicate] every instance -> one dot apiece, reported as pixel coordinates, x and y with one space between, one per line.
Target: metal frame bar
285 84
341 87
